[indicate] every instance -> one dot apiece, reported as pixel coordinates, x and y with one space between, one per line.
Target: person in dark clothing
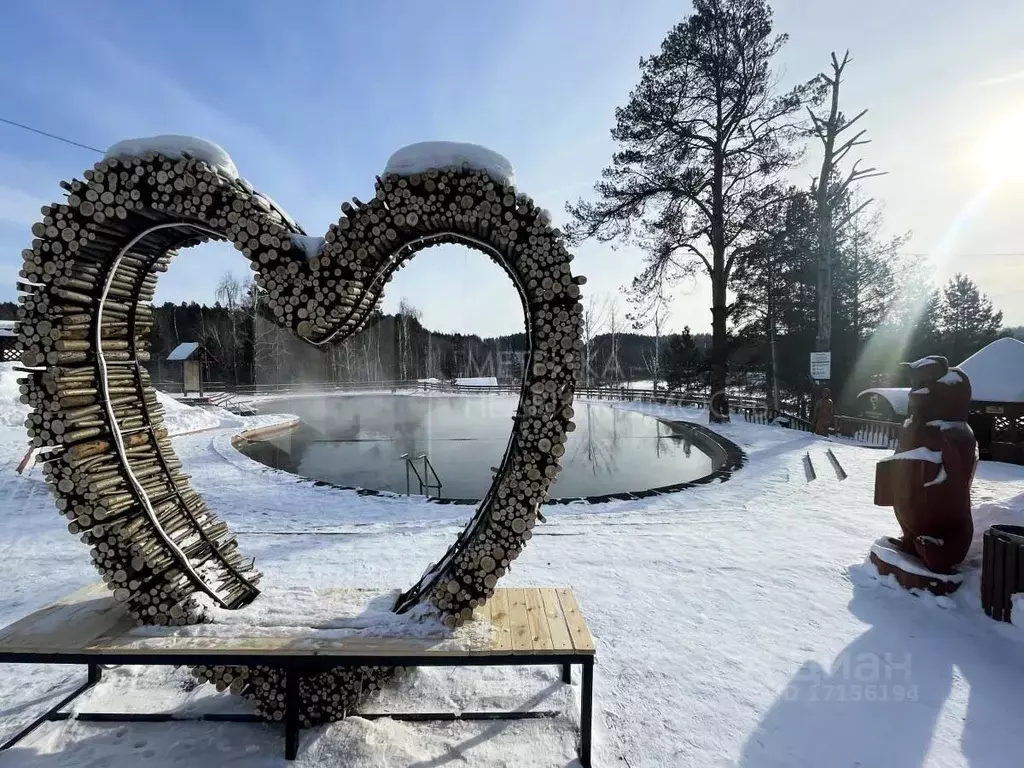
824 413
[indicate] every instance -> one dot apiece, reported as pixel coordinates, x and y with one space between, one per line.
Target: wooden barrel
1002 569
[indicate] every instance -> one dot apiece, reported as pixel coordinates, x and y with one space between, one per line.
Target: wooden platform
528 626
89 622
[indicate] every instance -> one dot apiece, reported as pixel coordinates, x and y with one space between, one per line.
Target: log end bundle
83 326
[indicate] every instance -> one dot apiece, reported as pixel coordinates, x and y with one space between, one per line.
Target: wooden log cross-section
83 327
525 626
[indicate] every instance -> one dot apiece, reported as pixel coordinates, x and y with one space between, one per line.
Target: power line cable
49 135
100 151
963 255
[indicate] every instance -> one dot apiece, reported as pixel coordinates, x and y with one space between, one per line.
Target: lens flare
1000 153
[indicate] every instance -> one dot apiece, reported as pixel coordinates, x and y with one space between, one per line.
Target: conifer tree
702 141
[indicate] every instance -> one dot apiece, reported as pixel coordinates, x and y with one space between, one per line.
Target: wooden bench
530 626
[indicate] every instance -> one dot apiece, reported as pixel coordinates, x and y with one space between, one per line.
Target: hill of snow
180 418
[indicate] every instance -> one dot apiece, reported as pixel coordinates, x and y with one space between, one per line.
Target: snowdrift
12 411
180 418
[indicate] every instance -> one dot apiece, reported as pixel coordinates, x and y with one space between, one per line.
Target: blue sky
310 99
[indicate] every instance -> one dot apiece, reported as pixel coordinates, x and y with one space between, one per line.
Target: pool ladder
411 468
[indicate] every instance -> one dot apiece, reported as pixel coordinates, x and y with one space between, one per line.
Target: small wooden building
997 399
190 355
8 342
883 403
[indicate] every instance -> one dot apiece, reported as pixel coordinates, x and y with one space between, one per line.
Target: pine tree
702 140
774 299
777 290
926 336
683 363
967 319
867 271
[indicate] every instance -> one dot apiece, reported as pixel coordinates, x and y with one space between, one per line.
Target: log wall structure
84 319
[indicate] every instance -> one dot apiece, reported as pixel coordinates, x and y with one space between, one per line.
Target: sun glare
1001 151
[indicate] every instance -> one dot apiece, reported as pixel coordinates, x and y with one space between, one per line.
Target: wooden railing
881 434
762 414
622 394
297 388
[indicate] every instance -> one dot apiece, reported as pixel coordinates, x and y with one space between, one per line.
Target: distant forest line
243 348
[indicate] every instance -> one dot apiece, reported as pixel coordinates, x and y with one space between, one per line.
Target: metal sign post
821 366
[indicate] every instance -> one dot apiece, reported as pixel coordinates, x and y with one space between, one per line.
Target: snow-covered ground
180 418
736 624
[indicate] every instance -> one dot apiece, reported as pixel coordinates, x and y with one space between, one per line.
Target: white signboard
821 366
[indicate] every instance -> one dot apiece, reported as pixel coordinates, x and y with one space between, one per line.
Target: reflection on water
359 441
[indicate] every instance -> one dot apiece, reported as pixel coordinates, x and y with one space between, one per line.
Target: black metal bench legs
54 713
586 712
291 714
586 706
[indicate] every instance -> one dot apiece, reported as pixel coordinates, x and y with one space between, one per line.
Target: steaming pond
360 440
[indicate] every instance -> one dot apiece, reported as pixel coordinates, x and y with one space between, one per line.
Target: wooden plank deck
533 620
501 632
581 640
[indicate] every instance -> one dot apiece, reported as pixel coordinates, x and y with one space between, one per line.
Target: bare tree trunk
856 289
613 327
718 410
594 318
829 190
775 367
657 352
823 339
367 357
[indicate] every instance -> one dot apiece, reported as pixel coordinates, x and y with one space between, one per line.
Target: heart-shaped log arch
83 330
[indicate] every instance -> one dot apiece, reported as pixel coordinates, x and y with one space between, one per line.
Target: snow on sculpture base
909 571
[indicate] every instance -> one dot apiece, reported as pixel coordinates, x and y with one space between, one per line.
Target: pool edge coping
732 458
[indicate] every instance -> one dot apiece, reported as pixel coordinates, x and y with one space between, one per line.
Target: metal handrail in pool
424 481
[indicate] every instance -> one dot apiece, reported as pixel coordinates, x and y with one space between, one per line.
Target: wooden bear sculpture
928 480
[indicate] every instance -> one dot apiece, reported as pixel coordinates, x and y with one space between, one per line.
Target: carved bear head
938 392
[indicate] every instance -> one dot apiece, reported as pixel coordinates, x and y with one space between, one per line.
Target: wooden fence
880 434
